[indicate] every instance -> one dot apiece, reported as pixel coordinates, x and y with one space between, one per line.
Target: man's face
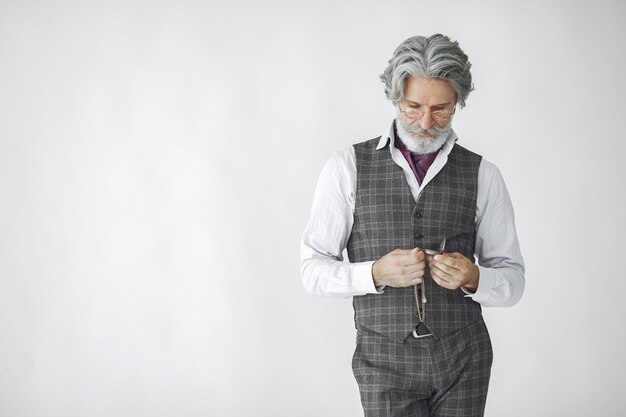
424 115
431 97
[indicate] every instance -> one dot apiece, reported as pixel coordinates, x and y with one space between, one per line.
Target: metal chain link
421 310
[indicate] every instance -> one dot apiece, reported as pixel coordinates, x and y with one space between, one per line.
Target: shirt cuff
485 285
363 280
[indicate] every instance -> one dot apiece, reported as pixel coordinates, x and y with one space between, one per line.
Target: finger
415 267
447 258
454 260
417 273
436 271
410 272
412 279
449 278
441 282
444 268
417 281
445 280
449 264
407 277
413 257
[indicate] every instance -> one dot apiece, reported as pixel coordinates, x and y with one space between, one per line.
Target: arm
498 280
326 236
500 260
327 232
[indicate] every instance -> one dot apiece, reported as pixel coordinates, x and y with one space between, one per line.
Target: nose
427 121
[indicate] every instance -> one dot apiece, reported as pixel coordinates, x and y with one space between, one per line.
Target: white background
157 166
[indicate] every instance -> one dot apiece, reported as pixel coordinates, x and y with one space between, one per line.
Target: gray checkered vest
387 217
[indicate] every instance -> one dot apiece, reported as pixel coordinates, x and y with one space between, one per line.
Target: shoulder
340 166
465 153
345 159
491 184
489 172
367 145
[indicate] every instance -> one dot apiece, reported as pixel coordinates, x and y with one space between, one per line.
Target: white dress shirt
324 271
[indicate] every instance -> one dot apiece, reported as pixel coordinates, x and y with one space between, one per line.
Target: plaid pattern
387 217
424 377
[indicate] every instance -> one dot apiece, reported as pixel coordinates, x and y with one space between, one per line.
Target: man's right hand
399 268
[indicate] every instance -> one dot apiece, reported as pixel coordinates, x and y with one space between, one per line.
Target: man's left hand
453 270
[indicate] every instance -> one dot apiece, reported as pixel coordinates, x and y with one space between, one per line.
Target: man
413 208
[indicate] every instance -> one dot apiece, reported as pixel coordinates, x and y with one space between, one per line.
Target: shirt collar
388 137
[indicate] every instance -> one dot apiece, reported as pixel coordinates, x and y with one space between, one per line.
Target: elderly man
413 209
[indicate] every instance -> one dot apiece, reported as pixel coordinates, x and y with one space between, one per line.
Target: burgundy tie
419 163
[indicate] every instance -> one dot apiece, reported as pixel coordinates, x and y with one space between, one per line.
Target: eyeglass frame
437 118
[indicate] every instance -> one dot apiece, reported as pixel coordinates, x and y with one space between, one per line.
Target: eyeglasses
438 115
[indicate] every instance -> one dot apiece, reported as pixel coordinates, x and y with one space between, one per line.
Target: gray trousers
424 377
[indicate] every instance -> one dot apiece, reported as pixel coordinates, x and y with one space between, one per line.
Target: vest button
418 235
418 215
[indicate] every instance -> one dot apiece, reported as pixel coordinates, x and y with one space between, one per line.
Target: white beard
409 135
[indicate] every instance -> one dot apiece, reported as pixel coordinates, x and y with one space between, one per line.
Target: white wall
157 166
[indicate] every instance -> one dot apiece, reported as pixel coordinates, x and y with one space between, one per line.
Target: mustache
417 129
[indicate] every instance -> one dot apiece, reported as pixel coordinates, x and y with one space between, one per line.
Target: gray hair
433 57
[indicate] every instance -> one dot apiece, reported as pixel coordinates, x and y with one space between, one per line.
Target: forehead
428 91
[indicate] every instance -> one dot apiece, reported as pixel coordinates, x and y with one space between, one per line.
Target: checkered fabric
387 217
424 377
